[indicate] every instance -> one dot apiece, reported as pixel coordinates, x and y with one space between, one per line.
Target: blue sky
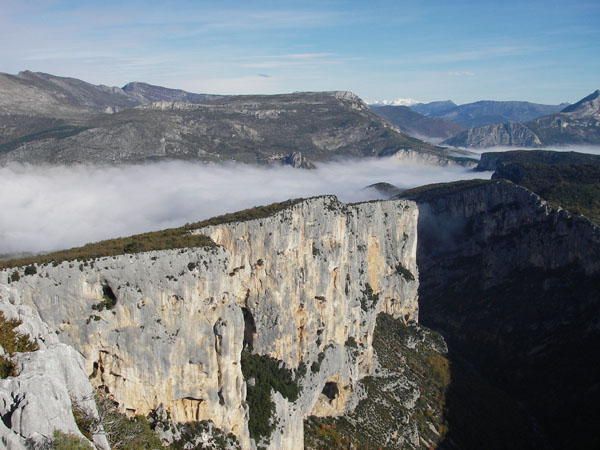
541 51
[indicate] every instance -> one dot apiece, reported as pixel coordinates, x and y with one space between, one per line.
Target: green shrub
7 368
369 299
30 270
351 342
65 441
12 342
267 375
109 299
122 432
406 274
194 432
15 276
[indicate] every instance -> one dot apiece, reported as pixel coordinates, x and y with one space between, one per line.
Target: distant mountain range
440 120
45 118
417 125
45 95
486 112
575 124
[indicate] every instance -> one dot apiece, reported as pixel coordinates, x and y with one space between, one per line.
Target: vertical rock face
167 328
50 383
513 286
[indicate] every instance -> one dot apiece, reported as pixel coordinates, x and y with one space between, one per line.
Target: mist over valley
53 207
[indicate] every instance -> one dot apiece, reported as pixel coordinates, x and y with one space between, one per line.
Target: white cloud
461 74
51 207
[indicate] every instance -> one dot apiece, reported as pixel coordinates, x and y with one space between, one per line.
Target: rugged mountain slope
148 93
165 330
243 128
487 112
35 106
417 125
41 94
566 179
434 109
513 285
508 135
576 124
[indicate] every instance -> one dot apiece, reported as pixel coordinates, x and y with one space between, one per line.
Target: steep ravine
165 330
512 284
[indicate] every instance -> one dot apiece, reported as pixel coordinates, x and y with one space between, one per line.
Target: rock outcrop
51 382
166 329
511 134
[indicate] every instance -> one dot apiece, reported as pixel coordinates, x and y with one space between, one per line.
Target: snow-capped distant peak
395 102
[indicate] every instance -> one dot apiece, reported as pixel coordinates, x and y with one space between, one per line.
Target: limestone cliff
166 329
511 134
513 286
50 383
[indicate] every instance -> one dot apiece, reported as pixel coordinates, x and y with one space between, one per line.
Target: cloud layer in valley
51 207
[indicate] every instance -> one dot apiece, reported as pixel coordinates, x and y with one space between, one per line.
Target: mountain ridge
487 112
83 126
576 124
417 125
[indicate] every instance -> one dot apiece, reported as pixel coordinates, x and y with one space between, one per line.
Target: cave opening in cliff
331 390
109 296
249 328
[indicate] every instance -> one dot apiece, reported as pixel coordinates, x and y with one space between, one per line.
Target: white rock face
511 134
50 382
302 283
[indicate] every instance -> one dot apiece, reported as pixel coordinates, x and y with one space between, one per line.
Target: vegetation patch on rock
404 402
266 374
12 342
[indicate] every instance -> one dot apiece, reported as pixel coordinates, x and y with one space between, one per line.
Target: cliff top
170 238
434 191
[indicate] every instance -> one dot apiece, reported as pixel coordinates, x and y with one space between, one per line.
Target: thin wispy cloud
477 54
374 52
461 74
53 207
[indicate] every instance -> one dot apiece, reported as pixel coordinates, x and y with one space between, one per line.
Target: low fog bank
56 207
476 152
